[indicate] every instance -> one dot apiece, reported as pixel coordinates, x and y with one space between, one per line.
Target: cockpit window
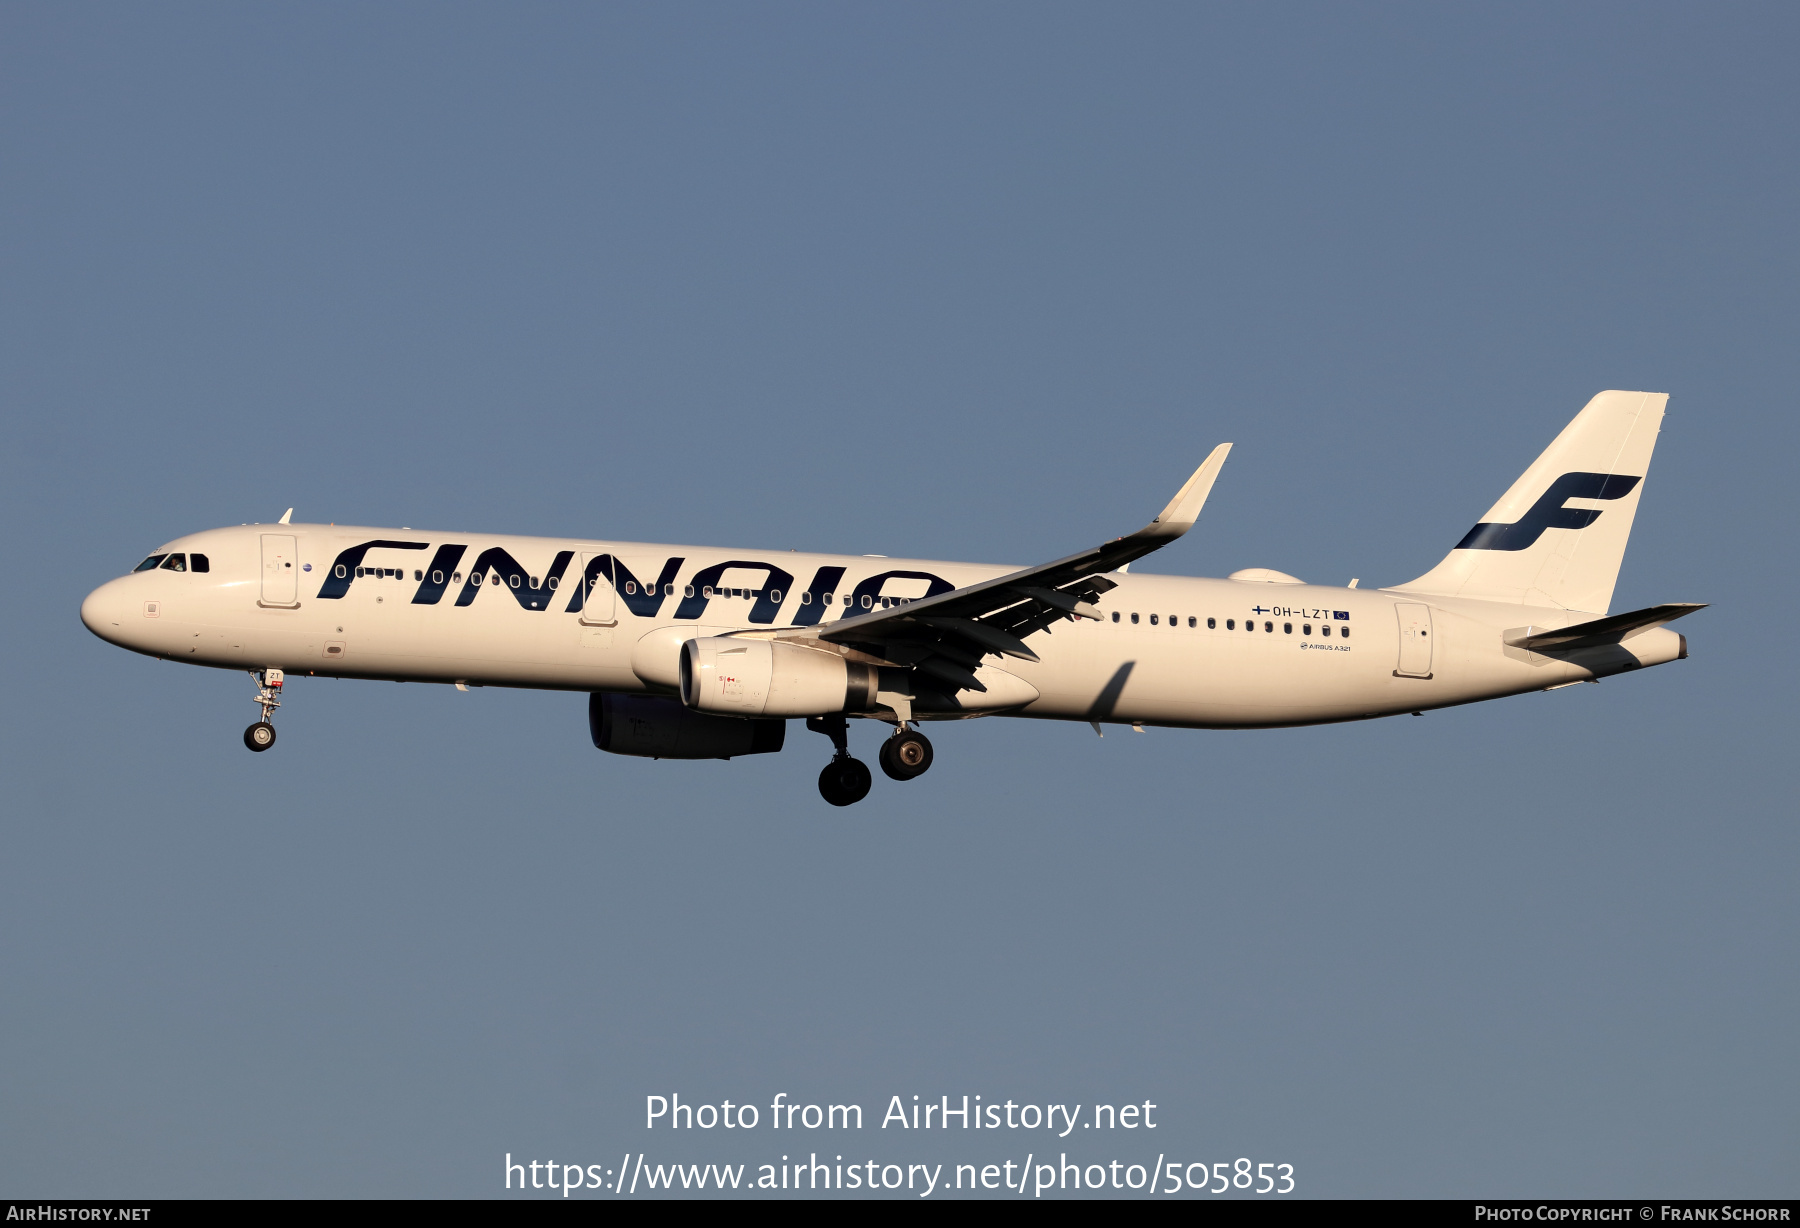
175 562
199 562
150 563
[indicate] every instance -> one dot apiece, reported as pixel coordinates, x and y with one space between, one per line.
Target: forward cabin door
280 570
599 605
1415 640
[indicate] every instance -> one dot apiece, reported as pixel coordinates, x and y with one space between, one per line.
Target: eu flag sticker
1341 615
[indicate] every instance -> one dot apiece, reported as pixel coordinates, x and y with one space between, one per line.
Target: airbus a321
695 652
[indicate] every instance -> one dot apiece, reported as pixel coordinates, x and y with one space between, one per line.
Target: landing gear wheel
260 736
906 755
845 781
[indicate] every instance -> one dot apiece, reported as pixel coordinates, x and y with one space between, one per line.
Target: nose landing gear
906 755
845 781
261 736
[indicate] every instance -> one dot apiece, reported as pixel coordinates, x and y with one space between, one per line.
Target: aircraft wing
947 636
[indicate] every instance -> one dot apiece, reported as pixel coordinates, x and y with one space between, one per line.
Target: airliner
696 652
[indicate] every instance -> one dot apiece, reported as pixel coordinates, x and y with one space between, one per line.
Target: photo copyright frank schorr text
1033 1173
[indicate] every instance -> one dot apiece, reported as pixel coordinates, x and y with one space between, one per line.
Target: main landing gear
906 755
261 736
845 781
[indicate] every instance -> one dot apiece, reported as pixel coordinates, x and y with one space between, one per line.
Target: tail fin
1533 549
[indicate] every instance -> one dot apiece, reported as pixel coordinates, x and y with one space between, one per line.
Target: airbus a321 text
693 652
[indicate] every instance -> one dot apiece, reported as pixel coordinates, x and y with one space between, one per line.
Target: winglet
287 517
1184 508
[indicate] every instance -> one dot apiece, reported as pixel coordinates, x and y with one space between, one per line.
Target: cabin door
1415 640
280 570
599 604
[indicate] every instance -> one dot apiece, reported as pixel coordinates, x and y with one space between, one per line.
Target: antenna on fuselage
286 517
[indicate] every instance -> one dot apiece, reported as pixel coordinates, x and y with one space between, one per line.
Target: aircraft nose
100 612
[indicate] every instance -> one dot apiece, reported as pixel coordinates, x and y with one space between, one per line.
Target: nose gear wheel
261 735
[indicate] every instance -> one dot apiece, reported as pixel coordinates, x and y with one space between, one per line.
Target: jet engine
660 728
744 677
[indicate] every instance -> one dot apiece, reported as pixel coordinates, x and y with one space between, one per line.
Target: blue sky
932 280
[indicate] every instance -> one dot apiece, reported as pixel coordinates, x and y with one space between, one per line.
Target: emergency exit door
600 600
1415 640
280 570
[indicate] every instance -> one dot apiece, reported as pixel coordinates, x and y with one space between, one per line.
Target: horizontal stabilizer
1600 631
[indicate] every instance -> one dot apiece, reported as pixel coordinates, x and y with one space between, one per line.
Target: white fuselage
1168 651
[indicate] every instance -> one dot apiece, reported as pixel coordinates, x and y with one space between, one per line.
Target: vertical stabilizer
1558 536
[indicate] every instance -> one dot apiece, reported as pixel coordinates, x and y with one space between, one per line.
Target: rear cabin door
1415 640
599 606
280 570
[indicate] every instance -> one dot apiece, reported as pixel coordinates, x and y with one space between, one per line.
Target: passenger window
513 580
867 601
553 582
1288 627
1344 632
1115 616
1231 624
706 591
1305 628
1192 621
199 562
1134 617
150 563
1325 629
1212 624
339 571
175 562
826 599
806 598
1153 620
775 596
630 587
456 577
437 577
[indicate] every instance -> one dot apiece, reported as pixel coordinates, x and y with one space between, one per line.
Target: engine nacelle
743 677
660 728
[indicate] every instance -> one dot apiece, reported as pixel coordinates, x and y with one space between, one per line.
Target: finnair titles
694 652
